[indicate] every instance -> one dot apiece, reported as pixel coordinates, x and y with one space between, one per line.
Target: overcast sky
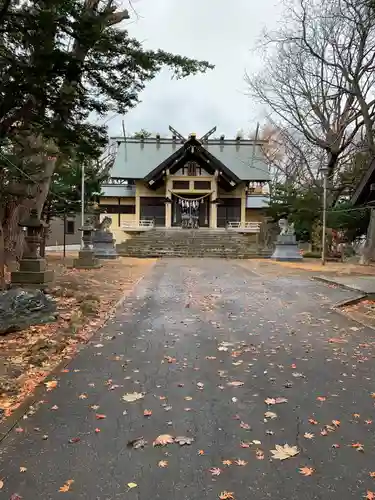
222 32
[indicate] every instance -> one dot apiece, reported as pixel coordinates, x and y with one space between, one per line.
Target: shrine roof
137 158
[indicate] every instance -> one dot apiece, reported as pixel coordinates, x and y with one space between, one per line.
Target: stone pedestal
286 248
86 257
86 260
104 245
33 272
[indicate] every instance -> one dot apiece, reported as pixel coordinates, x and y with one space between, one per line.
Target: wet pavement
203 344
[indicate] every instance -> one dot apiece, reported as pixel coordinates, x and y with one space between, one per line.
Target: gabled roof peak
171 140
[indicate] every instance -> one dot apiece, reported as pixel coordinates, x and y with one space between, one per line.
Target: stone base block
104 256
33 265
86 260
285 252
32 279
103 245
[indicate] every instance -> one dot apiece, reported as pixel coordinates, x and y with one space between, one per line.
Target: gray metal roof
118 191
135 159
255 201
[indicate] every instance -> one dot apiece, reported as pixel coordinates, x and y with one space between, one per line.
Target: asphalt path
224 364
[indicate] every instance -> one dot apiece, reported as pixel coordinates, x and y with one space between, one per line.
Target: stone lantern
86 257
33 270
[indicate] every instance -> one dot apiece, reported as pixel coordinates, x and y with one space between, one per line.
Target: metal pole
324 218
82 200
64 240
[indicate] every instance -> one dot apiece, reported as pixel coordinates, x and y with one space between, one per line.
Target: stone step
200 243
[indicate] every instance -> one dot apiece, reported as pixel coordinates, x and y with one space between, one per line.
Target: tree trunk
368 251
2 258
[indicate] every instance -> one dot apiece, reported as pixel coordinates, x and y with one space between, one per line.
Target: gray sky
225 34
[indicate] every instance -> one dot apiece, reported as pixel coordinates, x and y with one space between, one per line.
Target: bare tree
317 79
292 159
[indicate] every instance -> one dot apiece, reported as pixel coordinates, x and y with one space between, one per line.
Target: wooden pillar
243 208
168 215
213 209
137 204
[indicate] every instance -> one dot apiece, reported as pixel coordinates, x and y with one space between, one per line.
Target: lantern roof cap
32 220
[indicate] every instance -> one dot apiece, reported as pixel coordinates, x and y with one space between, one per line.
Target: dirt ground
338 268
309 266
85 298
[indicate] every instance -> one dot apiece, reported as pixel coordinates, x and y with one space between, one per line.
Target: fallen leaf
243 425
74 440
284 452
181 440
1 484
200 385
372 474
244 444
147 413
259 454
216 471
270 414
336 423
227 462
240 462
226 495
163 463
163 440
170 359
370 495
321 398
51 384
308 435
306 471
137 443
132 396
23 469
132 485
313 421
200 452
275 401
66 486
337 340
358 447
235 383
100 416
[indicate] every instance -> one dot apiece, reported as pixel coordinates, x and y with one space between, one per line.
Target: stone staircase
191 243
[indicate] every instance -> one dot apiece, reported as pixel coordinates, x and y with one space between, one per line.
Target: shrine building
156 182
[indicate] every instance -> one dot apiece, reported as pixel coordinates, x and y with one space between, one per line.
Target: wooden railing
134 224
250 227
